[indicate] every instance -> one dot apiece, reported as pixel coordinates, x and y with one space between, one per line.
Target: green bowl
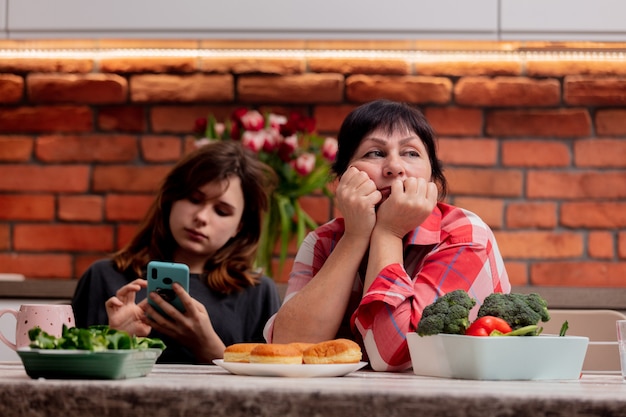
85 364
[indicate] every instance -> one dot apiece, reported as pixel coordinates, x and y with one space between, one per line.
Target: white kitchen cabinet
576 20
509 20
277 19
3 16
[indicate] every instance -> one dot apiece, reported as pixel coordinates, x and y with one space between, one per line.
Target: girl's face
386 157
202 223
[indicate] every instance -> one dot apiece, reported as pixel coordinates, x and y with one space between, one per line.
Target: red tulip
200 126
287 147
252 140
253 120
329 148
304 164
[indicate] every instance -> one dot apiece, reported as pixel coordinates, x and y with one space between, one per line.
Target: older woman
369 274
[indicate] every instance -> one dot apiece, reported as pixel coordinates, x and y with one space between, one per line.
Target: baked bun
301 346
276 353
333 351
239 352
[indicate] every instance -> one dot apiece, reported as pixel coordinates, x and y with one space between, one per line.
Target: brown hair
231 267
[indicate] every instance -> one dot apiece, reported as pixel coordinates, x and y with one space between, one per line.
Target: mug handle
4 339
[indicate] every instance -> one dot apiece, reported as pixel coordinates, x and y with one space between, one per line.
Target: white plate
298 371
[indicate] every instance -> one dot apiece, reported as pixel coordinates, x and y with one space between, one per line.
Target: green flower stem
285 212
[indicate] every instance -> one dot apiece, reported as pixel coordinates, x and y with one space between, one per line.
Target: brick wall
533 139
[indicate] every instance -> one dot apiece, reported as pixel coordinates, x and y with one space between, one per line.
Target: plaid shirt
452 249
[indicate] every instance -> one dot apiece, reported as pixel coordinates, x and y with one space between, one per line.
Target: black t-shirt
237 317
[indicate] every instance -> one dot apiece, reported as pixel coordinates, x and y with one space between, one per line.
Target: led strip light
411 56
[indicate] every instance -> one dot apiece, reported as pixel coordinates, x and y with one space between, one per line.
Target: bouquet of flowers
299 156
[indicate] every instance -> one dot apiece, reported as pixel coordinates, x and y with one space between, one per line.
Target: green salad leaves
94 338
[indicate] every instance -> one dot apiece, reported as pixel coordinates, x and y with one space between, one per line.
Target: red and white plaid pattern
452 249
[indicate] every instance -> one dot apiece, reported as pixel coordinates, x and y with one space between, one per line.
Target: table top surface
405 392
199 377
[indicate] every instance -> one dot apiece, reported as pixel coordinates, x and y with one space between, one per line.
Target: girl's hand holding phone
124 313
192 328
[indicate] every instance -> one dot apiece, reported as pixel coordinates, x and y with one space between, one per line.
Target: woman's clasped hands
397 209
409 203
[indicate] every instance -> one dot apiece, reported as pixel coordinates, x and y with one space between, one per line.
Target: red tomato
485 325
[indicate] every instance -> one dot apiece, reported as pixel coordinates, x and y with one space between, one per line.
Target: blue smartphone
161 276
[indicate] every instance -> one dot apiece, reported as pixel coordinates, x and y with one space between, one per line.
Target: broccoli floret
448 314
539 305
519 310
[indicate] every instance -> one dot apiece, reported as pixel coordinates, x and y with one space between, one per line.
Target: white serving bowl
498 357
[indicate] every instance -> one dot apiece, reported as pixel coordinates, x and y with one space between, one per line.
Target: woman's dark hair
389 116
231 267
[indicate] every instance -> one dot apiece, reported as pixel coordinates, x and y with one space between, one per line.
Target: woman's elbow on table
396 363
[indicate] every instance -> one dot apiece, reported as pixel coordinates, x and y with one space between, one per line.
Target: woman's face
202 223
386 157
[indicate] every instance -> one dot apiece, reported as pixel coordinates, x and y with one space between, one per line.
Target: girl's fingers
113 302
132 287
184 296
127 292
165 306
141 282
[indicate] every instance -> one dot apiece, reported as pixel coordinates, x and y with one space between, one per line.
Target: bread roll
239 352
333 351
301 345
276 353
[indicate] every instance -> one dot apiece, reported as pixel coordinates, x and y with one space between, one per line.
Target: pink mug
50 317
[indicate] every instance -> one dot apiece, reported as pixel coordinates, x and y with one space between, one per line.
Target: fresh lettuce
94 338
